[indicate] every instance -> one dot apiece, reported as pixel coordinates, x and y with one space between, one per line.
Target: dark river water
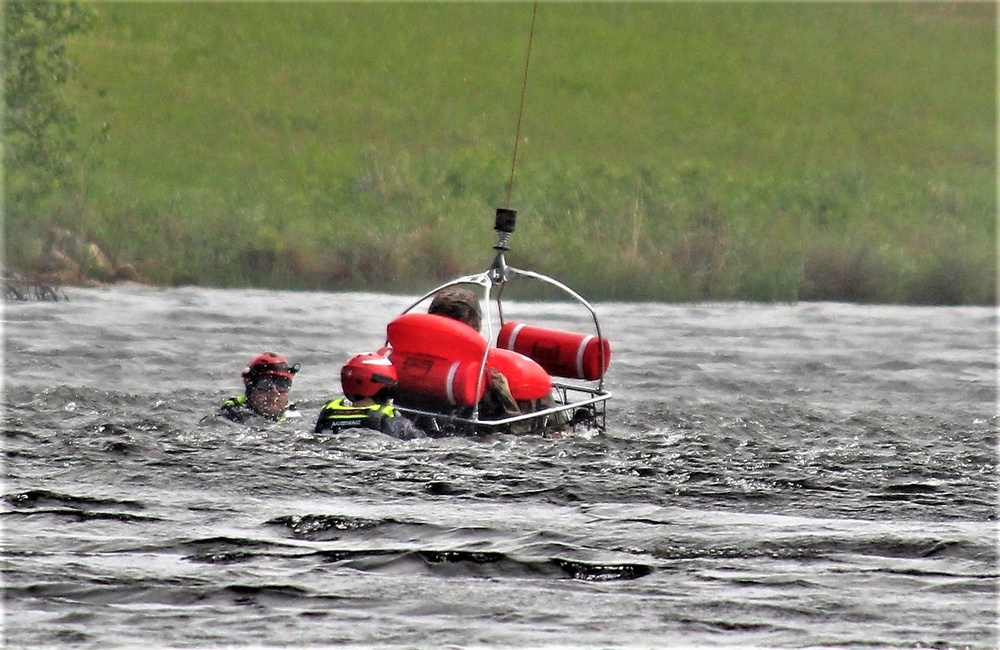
772 476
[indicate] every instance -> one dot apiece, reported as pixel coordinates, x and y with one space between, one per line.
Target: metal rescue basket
569 367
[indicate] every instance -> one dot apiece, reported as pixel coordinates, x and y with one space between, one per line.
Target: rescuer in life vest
368 382
267 380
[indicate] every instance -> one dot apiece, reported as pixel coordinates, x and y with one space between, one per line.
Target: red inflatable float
564 354
428 377
439 358
525 377
439 335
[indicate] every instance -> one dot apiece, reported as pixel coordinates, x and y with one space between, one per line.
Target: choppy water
787 476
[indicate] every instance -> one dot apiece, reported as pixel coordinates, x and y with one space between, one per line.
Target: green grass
675 151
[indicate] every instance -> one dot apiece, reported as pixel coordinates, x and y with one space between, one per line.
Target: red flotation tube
429 377
525 377
439 358
438 335
564 354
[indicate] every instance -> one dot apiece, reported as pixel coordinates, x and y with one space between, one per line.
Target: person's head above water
457 303
268 378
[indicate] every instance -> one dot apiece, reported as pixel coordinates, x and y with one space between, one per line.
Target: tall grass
677 151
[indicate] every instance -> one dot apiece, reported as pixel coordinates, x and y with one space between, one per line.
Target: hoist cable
520 109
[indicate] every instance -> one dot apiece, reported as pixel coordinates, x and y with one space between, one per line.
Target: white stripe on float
513 336
450 382
579 355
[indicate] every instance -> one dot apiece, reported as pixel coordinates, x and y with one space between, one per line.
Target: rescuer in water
368 381
267 380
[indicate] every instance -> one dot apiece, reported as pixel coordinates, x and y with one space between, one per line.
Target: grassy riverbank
671 151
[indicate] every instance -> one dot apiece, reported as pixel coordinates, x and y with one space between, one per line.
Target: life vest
238 409
338 414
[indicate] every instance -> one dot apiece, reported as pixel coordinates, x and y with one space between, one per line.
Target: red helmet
271 364
367 374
